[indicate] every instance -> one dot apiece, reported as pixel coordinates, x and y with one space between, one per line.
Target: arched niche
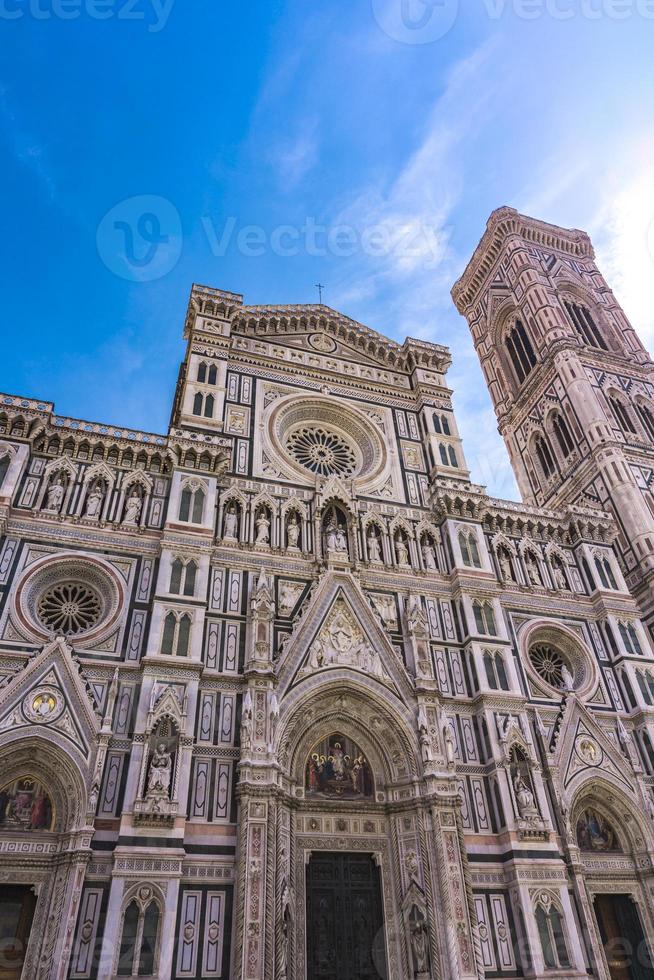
368 719
31 766
338 769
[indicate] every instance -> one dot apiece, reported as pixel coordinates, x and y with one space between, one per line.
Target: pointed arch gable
137 476
60 465
342 588
100 471
623 811
383 727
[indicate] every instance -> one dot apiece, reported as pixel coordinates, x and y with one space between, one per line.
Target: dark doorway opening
17 904
625 948
345 921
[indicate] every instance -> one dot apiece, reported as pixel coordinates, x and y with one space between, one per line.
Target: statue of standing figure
231 523
133 508
374 549
401 551
161 770
263 528
419 947
429 555
293 532
55 496
94 502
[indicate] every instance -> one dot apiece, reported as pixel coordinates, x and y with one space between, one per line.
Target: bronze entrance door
345 922
17 904
625 948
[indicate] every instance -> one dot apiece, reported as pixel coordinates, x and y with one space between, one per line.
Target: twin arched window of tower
484 618
545 456
520 351
207 374
176 634
442 425
644 414
138 943
622 415
469 549
495 671
203 405
182 577
562 433
605 572
191 507
448 455
584 324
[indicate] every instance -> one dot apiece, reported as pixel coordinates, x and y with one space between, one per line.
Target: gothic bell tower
571 383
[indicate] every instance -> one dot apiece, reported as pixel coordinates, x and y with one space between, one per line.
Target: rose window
321 451
69 607
548 663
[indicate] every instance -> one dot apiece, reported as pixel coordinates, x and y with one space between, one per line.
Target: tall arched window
630 639
182 577
495 671
138 943
552 939
212 377
4 466
520 351
545 457
202 372
198 402
584 324
484 618
469 549
176 634
443 451
622 414
452 455
191 506
208 407
647 419
562 433
605 572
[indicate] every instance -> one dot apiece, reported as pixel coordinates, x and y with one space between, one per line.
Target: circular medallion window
557 660
69 595
69 608
549 663
321 451
323 436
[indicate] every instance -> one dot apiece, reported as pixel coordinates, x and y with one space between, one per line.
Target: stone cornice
503 223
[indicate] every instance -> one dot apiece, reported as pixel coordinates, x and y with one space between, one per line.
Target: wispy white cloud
27 149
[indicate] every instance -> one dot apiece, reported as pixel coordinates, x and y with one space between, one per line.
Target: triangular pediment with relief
323 344
50 697
339 630
583 750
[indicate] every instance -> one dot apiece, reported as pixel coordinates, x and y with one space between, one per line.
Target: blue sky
277 144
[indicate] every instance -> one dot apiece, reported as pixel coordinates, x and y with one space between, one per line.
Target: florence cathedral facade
285 696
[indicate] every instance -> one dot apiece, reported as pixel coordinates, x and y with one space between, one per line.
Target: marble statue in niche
94 501
160 772
338 769
55 496
263 529
374 544
133 508
231 524
293 532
